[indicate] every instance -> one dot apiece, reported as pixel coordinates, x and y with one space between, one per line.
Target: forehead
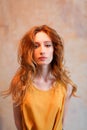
41 36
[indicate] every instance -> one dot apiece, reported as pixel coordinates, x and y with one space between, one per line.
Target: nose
42 50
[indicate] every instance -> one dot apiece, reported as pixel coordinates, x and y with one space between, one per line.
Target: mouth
42 58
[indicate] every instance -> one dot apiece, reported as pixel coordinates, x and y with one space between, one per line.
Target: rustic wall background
69 18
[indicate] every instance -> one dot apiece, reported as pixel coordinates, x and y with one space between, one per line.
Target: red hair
28 68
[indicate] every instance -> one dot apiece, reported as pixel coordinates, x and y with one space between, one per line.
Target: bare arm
67 101
17 117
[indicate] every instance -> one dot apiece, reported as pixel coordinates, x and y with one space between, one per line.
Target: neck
43 72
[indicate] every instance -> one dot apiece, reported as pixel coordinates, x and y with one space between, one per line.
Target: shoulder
69 91
62 87
66 89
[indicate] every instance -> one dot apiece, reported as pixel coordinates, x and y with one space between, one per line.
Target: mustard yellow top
43 110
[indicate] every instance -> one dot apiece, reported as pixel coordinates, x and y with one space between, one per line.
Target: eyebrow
43 42
47 41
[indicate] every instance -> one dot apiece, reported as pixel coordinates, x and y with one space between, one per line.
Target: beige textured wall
69 18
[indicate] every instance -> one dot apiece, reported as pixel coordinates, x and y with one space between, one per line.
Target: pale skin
43 55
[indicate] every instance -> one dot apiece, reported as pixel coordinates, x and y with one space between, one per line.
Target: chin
42 64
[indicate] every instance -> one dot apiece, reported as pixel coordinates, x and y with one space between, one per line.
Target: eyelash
47 45
36 46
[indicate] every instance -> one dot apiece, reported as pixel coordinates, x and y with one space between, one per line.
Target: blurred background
69 19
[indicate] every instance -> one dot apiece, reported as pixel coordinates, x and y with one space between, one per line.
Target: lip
42 58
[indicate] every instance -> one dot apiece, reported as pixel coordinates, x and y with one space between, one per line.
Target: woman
41 88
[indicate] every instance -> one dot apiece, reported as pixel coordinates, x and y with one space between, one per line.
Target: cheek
35 54
50 54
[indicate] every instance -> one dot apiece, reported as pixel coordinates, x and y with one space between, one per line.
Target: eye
48 45
36 46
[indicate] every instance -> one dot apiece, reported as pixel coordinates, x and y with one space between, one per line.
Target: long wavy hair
28 68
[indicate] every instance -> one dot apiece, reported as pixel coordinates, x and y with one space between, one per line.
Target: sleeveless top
43 110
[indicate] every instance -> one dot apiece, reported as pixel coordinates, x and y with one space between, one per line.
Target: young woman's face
43 49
